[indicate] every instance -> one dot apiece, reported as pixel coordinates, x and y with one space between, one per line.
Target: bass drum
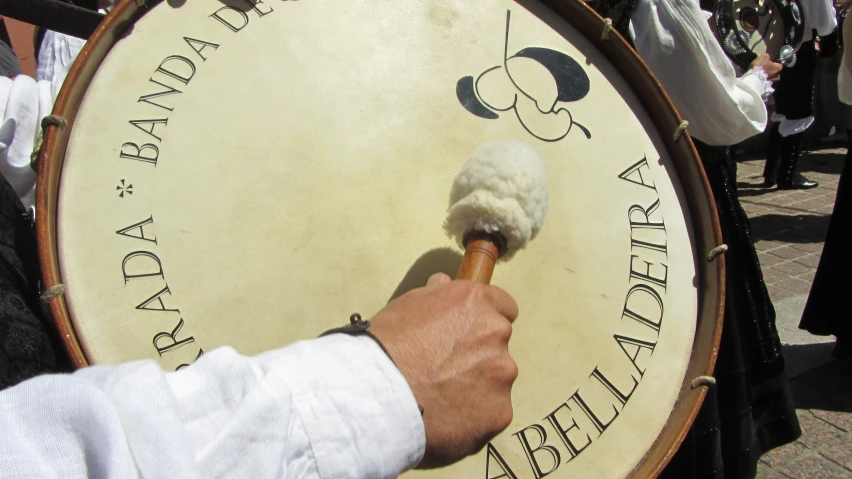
250 174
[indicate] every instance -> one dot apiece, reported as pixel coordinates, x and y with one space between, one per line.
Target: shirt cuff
827 29
793 127
359 413
757 79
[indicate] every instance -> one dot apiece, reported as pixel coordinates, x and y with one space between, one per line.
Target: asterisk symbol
124 189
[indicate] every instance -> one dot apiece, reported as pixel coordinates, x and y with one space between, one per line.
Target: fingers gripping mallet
497 205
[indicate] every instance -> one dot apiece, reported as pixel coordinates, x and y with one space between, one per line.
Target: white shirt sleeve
675 41
820 16
56 55
22 110
334 407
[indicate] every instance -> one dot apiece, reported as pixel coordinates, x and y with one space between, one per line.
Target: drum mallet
497 205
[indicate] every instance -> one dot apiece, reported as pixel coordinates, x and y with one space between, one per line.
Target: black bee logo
532 83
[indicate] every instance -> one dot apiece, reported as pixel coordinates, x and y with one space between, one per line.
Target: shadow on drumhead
242 5
439 260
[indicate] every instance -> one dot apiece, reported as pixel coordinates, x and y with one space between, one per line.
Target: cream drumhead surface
250 174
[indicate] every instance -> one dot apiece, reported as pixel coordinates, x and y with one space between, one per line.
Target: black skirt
28 346
826 312
750 410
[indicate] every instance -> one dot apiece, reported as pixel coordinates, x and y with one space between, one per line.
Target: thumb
438 278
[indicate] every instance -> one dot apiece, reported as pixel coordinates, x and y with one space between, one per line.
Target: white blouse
675 41
819 16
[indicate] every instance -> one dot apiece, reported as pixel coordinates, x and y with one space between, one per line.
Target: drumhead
250 174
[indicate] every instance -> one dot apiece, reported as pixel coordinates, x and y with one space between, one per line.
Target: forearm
332 407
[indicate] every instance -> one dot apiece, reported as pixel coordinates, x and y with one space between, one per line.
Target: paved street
789 229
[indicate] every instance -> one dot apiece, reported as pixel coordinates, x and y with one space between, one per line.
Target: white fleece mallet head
502 188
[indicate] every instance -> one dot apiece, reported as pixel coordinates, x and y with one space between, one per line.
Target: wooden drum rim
700 201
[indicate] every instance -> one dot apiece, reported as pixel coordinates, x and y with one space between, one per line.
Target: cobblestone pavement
789 230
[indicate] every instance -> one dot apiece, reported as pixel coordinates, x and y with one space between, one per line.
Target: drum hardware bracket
680 129
716 252
49 120
703 381
607 28
356 327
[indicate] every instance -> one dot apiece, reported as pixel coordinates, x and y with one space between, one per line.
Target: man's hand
450 341
772 69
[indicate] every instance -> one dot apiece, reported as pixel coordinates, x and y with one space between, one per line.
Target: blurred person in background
826 312
794 98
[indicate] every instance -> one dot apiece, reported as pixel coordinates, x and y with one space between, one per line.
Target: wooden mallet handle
481 251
